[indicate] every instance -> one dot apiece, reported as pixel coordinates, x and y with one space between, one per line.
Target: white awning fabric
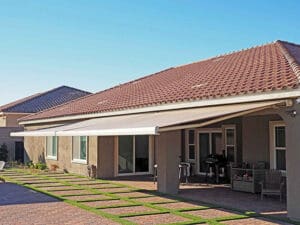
150 123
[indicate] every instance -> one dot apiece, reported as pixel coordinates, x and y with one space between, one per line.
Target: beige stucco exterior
11 119
168 146
9 141
8 124
36 151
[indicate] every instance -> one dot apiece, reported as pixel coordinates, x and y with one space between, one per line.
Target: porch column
106 159
168 159
293 161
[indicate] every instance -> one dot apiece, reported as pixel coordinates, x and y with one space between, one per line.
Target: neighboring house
245 103
10 113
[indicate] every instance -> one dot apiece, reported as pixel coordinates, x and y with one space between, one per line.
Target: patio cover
151 123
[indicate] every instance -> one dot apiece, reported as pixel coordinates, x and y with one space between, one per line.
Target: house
245 104
10 113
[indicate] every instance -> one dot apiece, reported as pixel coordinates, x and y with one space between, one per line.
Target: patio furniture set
253 179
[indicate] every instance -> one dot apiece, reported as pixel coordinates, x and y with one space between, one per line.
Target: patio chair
2 164
184 169
273 184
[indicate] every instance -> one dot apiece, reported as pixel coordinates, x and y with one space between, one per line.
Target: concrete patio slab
213 213
181 205
97 204
126 210
134 194
99 186
59 188
72 192
155 199
87 197
115 190
254 221
156 219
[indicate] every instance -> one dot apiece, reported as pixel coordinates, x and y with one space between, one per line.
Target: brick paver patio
104 202
20 206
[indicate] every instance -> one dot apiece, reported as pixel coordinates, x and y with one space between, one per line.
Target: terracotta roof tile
259 69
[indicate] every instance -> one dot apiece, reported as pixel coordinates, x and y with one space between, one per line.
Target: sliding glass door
133 156
125 154
209 143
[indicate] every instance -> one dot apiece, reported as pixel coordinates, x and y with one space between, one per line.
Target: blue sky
94 45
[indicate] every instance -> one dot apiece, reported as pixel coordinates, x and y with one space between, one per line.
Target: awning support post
168 159
292 161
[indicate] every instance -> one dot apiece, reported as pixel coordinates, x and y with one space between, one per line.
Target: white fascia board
182 105
111 132
31 134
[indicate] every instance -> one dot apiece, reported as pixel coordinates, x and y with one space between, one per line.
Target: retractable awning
151 123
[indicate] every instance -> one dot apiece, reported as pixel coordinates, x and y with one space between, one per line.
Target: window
280 148
191 145
230 148
51 147
277 145
80 149
133 154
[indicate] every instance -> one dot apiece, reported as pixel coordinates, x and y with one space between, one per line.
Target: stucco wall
106 158
35 148
9 141
255 134
292 160
168 146
11 119
2 121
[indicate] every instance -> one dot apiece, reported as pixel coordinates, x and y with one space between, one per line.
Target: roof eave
267 96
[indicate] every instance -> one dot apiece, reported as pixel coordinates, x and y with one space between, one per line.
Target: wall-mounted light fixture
292 112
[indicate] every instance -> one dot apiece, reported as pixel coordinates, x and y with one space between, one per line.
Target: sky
96 44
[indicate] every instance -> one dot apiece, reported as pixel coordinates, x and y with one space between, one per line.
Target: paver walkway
22 206
104 203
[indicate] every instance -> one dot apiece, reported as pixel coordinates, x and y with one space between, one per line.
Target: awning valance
151 123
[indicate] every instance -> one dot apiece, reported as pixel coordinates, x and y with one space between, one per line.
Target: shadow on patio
12 194
220 195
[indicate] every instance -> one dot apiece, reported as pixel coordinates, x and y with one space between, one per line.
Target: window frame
188 144
234 145
150 157
273 148
80 161
52 157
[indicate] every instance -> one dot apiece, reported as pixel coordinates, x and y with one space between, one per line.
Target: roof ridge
289 57
227 54
76 89
288 42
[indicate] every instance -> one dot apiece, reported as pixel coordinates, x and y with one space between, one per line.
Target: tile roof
265 68
42 101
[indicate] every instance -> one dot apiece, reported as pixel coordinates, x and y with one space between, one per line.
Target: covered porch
246 135
216 194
